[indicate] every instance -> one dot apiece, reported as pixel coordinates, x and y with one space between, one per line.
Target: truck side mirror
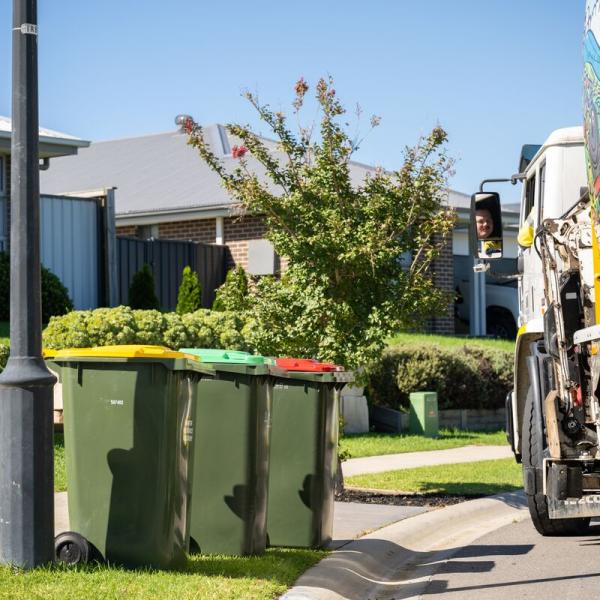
485 232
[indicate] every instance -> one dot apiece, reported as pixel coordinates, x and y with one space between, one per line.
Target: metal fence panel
211 266
167 260
131 255
70 246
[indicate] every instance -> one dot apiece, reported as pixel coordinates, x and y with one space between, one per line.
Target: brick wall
237 231
443 277
128 230
199 230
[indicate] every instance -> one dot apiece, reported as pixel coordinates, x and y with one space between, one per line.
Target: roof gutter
166 216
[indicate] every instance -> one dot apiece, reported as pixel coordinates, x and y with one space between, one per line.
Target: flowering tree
346 287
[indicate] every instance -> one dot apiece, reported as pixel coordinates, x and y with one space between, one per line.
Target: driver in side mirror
486 229
484 223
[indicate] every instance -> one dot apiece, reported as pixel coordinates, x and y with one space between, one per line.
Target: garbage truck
553 411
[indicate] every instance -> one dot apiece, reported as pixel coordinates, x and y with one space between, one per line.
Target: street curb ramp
399 560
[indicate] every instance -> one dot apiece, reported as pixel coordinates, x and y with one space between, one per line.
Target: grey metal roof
161 174
51 143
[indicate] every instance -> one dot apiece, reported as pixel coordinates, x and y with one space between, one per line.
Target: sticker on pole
27 29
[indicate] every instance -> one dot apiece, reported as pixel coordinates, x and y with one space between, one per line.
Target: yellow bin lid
127 351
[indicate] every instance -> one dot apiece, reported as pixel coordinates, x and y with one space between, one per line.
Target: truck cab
552 183
553 412
553 180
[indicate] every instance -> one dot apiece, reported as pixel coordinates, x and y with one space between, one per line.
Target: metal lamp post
26 424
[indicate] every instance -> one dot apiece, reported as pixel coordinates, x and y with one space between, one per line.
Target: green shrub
55 296
111 326
68 331
4 352
226 328
471 377
177 335
201 333
142 294
122 325
233 294
189 297
150 326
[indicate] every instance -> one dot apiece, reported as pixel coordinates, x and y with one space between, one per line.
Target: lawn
60 475
449 341
4 332
206 577
465 479
377 444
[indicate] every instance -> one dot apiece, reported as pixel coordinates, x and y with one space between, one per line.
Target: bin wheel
71 548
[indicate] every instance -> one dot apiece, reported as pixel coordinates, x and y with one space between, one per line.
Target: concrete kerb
397 561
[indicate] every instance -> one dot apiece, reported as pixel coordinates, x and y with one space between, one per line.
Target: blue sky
495 73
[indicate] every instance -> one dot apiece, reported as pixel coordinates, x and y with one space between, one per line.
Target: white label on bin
188 431
117 402
281 386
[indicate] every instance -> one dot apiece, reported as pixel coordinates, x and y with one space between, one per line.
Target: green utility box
231 455
128 423
303 454
423 417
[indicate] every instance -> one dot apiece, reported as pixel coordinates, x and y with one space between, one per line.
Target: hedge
55 296
124 325
4 351
469 377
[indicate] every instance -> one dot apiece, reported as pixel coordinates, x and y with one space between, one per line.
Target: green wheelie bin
231 454
303 453
128 423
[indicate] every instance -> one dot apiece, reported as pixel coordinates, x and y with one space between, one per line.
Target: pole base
26 464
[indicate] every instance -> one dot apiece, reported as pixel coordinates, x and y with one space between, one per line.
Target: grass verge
206 576
465 479
377 444
60 474
4 337
448 341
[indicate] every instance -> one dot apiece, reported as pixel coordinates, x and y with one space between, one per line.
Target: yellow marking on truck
596 259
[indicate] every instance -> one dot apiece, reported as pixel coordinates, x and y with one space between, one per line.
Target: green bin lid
232 357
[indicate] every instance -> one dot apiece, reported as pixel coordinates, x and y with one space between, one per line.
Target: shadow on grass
444 434
277 564
280 566
465 488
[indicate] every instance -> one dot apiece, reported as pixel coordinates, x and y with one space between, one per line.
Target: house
77 233
165 191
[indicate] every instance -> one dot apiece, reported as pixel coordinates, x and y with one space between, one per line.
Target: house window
146 232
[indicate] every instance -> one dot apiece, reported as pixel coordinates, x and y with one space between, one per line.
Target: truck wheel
532 454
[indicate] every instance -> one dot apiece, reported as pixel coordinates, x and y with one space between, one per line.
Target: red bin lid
306 364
